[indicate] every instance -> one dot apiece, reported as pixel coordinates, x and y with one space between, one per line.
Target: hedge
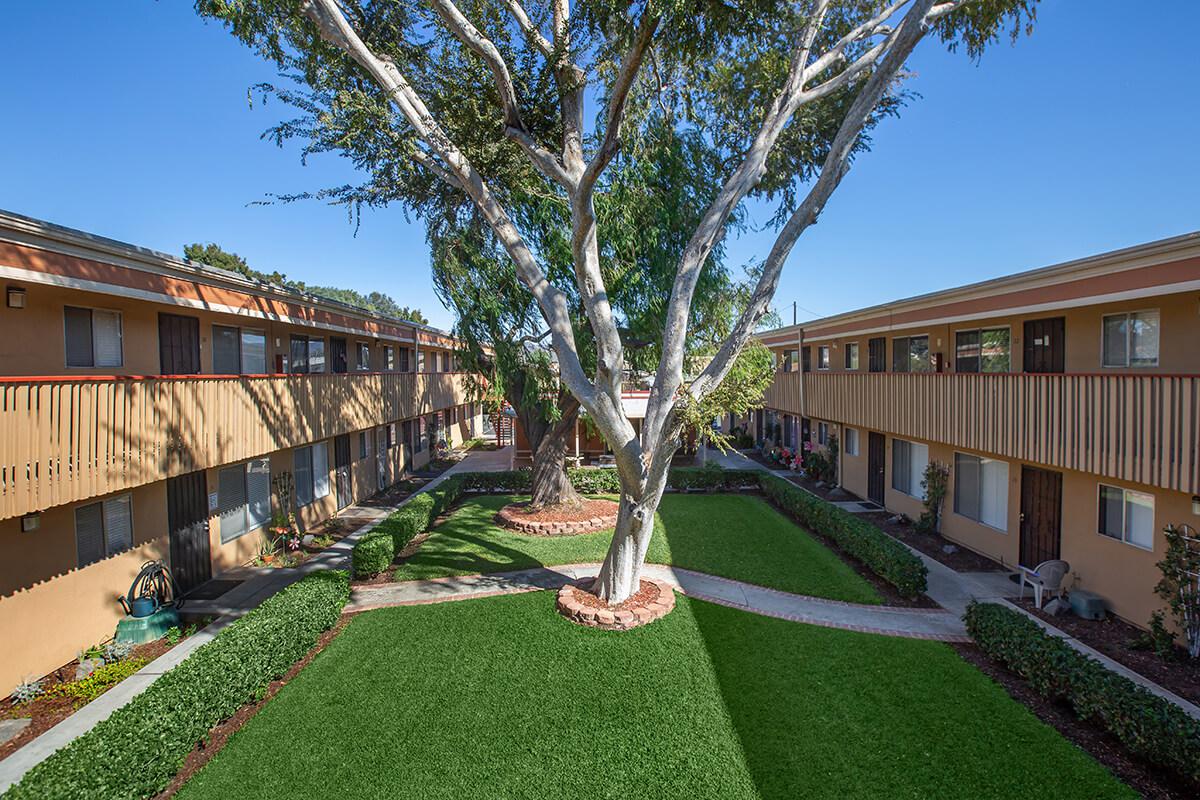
137 751
607 481
373 553
882 554
1148 725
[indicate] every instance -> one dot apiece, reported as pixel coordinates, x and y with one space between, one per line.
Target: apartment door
877 354
1041 515
1046 345
341 470
178 344
337 354
381 459
187 520
876 449
805 431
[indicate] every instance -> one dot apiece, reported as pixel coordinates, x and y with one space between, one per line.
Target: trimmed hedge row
607 481
1146 724
375 551
885 556
137 751
372 553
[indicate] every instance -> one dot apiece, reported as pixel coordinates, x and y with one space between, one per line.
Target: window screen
106 338
320 470
231 497
78 329
226 344
89 534
303 470
254 352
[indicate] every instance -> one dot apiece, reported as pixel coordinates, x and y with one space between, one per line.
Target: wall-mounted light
1196 504
30 523
16 297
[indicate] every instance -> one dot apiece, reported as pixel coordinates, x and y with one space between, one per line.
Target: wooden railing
1140 428
67 439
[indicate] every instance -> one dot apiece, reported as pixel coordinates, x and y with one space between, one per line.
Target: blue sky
131 120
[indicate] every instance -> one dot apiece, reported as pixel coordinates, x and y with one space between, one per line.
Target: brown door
876 445
187 520
1041 515
877 354
337 354
178 345
1046 345
341 475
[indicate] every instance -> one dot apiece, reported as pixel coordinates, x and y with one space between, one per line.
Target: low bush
882 554
103 678
1147 725
607 481
373 553
137 751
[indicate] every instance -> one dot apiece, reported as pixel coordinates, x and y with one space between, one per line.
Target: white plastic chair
1045 578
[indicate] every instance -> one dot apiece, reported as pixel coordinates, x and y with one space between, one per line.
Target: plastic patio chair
1045 578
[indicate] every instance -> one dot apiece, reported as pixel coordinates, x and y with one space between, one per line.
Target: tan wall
49 608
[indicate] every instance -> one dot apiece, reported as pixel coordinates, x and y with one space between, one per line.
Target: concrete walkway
257 586
912 623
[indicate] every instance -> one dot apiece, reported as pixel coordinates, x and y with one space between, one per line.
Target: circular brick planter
654 601
516 517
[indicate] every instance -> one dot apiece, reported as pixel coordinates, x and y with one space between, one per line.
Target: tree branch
529 29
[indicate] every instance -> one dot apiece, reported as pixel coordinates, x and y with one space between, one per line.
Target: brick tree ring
654 600
591 515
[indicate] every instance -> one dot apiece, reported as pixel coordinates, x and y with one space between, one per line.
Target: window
909 460
850 435
1131 340
1127 515
308 354
981 490
93 337
238 351
420 434
791 360
445 361
364 356
103 529
910 354
406 431
390 432
454 415
312 473
984 350
405 353
823 357
852 355
244 498
364 445
420 361
389 357
822 433
806 359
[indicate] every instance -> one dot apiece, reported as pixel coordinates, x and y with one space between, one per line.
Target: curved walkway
912 623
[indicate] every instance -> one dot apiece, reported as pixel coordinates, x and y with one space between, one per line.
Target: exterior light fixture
30 523
16 297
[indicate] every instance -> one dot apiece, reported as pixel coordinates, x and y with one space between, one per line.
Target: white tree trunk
620 575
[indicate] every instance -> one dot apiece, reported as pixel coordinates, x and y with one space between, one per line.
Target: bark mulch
46 712
1117 639
646 594
584 511
1150 781
206 749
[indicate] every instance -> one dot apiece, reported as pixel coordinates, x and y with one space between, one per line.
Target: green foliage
742 391
372 553
101 680
591 481
27 691
882 554
136 751
935 482
1158 638
1180 583
173 635
1147 725
214 255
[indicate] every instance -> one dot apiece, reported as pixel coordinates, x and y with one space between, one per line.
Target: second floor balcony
1140 428
67 439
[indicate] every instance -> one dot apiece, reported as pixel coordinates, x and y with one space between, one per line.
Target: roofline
10 221
1157 251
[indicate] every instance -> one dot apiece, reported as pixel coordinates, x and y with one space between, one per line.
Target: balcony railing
67 439
1140 428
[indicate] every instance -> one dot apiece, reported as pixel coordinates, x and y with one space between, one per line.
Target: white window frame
850 437
120 315
822 433
982 484
891 354
1128 341
1100 487
389 358
318 472
109 549
980 330
914 476
824 353
852 356
249 525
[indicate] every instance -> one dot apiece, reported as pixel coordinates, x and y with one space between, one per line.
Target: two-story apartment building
147 406
1065 402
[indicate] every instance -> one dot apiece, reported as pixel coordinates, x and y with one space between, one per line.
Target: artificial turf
502 698
733 536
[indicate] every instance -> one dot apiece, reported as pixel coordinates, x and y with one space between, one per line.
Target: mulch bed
1115 637
586 510
46 712
1150 781
647 593
205 750
563 520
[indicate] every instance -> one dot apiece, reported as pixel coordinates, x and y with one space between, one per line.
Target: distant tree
214 255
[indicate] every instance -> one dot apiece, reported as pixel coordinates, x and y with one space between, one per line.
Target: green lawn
502 698
734 536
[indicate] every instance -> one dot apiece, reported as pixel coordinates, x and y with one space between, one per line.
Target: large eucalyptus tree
767 84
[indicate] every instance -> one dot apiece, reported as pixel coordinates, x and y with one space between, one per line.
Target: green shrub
882 554
595 481
1148 726
607 481
103 678
373 553
137 751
